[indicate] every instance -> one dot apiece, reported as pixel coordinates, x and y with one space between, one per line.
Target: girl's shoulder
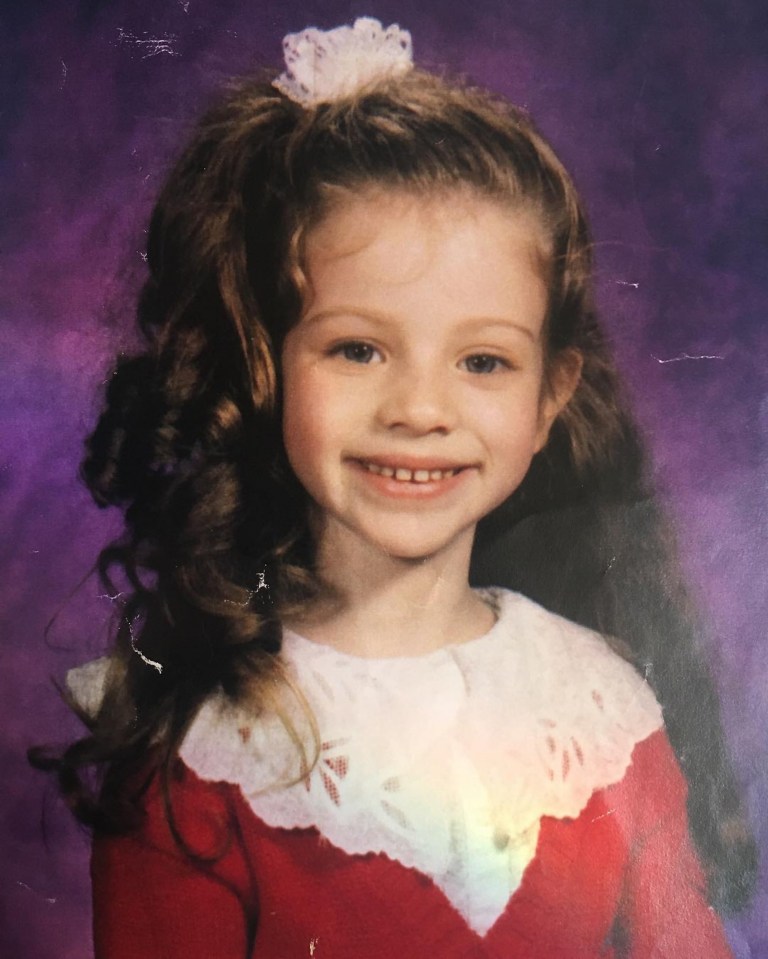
560 666
571 657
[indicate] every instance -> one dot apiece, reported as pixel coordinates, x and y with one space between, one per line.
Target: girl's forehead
355 219
441 258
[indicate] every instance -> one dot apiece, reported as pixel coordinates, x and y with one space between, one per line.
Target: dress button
500 839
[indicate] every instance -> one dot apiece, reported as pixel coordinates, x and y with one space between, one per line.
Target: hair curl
189 444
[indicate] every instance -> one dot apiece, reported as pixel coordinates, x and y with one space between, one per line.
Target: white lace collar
445 762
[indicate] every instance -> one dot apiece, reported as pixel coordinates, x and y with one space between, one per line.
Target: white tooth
421 476
436 475
403 474
387 471
372 468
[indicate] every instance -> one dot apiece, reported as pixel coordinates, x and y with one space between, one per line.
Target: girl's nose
418 402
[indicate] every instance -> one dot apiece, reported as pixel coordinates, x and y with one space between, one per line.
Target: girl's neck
381 606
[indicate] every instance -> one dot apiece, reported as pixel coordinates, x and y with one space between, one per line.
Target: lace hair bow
325 65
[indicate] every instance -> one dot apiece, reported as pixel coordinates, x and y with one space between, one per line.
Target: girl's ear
560 384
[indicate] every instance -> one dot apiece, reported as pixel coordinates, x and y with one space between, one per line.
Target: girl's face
414 380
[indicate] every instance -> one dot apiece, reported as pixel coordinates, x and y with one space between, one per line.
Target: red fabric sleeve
666 913
152 901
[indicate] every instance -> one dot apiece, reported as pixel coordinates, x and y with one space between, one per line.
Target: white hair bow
326 65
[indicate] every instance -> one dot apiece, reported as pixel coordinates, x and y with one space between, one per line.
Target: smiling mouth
404 475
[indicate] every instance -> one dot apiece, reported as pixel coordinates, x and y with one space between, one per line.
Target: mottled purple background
658 107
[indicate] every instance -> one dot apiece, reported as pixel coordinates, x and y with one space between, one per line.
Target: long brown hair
189 443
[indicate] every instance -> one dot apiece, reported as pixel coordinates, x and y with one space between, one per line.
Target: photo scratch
634 286
245 602
688 356
49 899
647 671
150 662
603 815
262 584
147 45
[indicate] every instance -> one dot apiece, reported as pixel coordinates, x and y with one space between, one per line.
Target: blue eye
483 363
356 352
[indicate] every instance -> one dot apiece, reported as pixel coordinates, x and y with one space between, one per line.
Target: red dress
514 797
619 880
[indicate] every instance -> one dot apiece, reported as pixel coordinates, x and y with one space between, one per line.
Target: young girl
369 329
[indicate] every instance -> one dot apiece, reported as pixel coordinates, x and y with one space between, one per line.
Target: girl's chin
352 542
418 548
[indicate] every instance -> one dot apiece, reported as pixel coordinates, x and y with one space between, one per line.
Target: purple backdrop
657 106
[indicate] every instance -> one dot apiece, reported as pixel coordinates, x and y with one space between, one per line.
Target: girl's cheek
310 406
297 410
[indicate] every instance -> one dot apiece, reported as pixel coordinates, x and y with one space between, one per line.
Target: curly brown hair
189 442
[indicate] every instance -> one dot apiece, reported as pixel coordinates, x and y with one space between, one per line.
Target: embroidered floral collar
445 762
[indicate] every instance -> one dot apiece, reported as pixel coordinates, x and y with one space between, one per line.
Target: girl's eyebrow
482 323
470 324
